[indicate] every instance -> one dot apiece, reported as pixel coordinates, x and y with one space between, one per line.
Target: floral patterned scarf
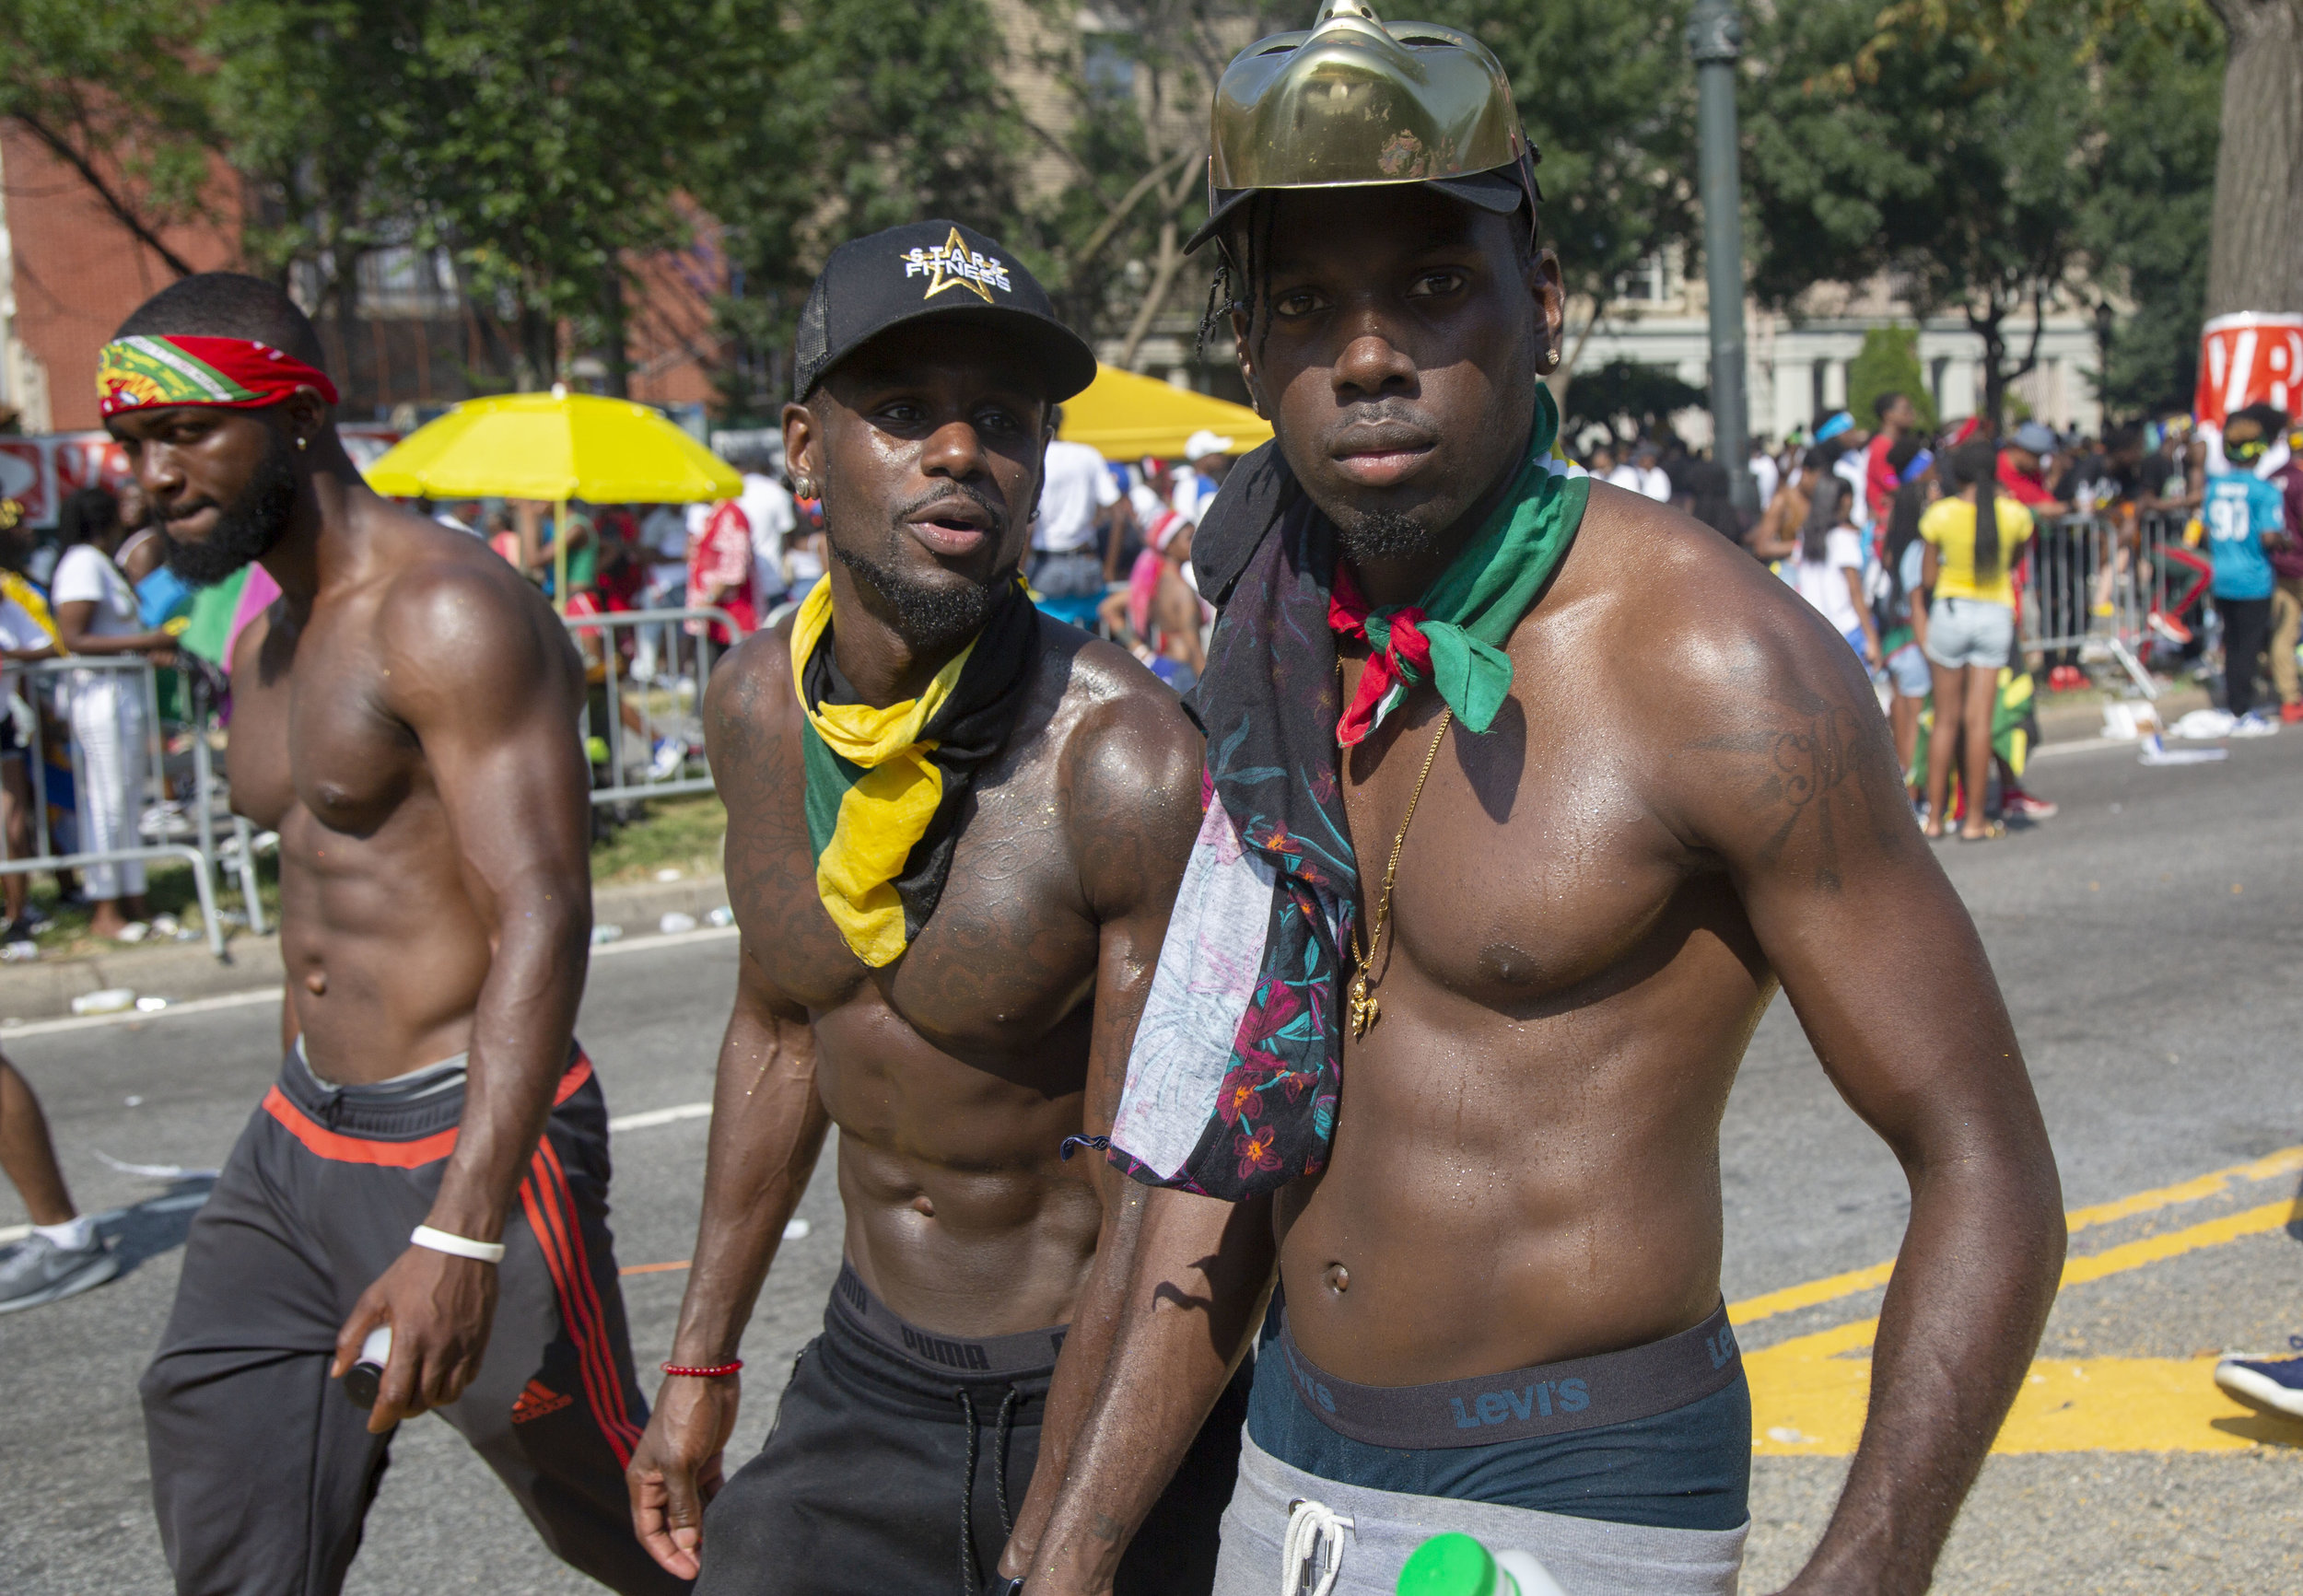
1237 1064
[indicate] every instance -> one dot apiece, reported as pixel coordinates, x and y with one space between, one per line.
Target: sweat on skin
1596 903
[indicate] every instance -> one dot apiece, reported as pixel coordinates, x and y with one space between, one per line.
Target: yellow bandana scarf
885 785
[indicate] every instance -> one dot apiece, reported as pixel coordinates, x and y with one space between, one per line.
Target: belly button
1338 1279
923 1206
316 983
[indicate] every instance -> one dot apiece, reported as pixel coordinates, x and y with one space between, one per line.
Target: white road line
661 1116
11 1029
94 1021
630 1122
653 940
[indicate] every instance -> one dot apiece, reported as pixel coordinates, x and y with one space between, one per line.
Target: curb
183 971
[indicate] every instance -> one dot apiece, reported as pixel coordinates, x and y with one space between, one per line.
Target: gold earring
300 442
1551 358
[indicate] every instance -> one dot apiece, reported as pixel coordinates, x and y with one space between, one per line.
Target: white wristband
457 1246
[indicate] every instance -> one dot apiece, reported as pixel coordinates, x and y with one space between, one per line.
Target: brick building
70 271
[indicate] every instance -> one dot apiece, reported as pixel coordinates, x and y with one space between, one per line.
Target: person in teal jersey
2244 512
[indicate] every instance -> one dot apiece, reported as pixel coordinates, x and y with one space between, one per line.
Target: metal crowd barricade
59 679
645 671
2091 587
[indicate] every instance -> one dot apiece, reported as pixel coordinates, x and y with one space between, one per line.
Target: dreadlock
1243 256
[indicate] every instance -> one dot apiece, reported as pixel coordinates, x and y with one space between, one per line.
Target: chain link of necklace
1363 1004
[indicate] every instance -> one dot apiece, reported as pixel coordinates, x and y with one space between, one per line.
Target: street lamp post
1715 39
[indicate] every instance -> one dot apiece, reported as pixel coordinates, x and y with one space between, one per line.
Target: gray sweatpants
1586 1556
262 1471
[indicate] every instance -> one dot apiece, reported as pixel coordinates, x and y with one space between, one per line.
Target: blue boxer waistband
1550 1399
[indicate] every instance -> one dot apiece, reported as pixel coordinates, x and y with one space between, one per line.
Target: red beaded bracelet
703 1370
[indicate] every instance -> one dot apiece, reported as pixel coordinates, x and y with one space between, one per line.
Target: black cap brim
1499 192
1059 356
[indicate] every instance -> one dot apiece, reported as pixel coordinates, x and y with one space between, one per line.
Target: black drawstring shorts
899 1458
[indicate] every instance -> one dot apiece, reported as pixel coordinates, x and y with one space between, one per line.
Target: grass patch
683 833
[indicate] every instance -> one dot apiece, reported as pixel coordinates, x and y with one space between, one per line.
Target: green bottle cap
1454 1565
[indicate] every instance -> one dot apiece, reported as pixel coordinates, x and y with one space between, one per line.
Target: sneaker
2168 627
671 754
2265 1385
39 1271
2066 679
2290 712
167 819
2254 723
2022 804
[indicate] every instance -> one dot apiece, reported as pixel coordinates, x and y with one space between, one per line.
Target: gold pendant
1363 1007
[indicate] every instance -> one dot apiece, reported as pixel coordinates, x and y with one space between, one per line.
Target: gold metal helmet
1358 101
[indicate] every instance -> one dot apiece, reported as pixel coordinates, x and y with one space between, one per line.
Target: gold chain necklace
1363 1002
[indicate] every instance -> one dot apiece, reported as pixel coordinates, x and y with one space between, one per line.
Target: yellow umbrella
1125 417
555 446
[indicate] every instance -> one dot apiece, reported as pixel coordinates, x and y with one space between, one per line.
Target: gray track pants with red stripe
262 1471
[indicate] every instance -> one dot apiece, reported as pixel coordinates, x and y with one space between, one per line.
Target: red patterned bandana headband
141 372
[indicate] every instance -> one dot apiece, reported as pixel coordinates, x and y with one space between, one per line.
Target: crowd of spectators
95 590
1921 549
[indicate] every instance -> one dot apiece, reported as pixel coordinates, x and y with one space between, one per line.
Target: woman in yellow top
1970 626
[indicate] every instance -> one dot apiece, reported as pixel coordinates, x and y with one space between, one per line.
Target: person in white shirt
1851 466
1207 461
1827 567
1641 475
766 504
1765 472
1076 489
1150 493
96 615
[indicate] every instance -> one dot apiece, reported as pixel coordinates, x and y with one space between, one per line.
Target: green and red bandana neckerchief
147 370
1454 636
1236 1071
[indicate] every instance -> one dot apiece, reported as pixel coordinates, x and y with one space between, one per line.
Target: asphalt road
2146 939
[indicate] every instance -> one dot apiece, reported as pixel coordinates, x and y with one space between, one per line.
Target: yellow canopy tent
555 446
1125 417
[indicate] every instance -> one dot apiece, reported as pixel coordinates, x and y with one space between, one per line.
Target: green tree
108 88
2145 227
1628 399
1609 97
1888 363
1109 244
828 120
1955 164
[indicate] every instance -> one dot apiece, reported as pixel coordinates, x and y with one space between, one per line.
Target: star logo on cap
951 265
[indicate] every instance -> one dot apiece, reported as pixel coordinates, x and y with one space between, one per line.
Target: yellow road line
1808 1399
2286 1161
1814 1407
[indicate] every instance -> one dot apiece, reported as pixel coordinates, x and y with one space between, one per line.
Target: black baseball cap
939 271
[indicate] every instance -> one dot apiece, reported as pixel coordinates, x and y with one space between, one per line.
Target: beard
246 528
1374 535
929 615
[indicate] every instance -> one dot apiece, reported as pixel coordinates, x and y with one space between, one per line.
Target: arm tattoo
1796 774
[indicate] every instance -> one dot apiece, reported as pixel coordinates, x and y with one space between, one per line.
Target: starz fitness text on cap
951 265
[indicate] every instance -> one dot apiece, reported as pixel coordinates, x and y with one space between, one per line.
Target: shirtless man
434 1160
1657 788
954 833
